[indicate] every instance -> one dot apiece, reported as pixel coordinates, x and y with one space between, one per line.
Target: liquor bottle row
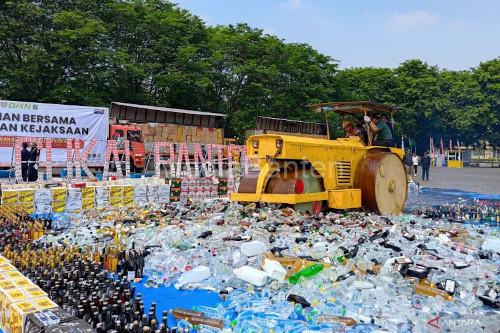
462 212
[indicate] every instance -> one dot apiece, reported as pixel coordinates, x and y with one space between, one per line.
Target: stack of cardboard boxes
175 189
43 201
116 195
27 199
140 195
88 197
101 196
163 194
59 199
152 194
10 196
153 132
18 298
73 200
128 196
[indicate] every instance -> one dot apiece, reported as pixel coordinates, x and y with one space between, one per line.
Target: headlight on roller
279 144
255 144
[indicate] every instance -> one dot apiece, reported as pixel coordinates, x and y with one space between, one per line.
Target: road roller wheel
290 180
381 177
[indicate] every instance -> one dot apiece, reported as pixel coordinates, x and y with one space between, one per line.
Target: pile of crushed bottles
279 271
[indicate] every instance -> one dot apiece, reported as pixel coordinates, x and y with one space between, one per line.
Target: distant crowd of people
412 161
29 162
378 124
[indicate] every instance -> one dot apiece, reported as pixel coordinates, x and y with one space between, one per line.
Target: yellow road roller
313 174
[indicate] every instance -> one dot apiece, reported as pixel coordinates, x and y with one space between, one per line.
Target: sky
452 34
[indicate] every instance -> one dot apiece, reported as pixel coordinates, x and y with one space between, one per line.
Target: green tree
253 74
488 77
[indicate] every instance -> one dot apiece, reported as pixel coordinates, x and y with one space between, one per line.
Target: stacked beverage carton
43 201
140 195
18 298
73 200
88 197
101 196
59 199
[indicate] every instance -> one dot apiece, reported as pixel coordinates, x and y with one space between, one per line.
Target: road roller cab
313 174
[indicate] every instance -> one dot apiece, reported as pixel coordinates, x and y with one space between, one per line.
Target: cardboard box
128 202
116 201
101 203
17 315
12 275
128 191
164 199
152 191
58 193
58 206
6 267
26 196
74 194
141 201
140 190
11 296
116 191
44 303
73 205
153 201
43 208
34 291
43 196
88 203
164 190
10 196
38 321
88 192
29 207
101 192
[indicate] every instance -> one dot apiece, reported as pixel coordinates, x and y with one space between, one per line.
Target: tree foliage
457 105
93 52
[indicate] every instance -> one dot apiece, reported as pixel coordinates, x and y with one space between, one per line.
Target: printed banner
40 120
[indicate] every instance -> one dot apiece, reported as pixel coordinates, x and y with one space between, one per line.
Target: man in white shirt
415 159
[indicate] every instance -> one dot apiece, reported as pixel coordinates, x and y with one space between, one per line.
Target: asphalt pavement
480 180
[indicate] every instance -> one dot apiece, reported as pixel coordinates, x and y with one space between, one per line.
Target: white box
74 193
43 196
43 208
164 190
141 201
100 203
73 205
153 200
164 199
140 190
152 191
101 192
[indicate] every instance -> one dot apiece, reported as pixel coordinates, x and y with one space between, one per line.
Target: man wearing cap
380 128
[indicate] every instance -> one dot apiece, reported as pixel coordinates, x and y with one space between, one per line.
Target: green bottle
306 272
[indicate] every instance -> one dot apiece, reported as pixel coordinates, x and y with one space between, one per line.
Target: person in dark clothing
33 166
408 162
426 164
380 128
25 157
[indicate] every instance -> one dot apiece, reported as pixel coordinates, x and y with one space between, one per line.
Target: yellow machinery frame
352 174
